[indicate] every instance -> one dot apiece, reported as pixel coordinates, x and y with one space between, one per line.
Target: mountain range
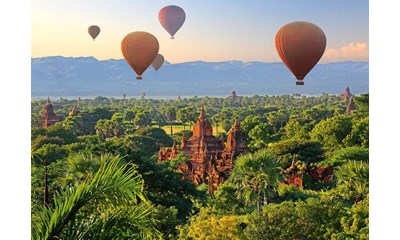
87 76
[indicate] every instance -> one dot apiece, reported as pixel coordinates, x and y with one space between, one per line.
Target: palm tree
353 180
256 177
108 204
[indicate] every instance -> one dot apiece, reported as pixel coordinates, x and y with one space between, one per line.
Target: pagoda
351 106
233 95
74 111
210 160
48 116
347 94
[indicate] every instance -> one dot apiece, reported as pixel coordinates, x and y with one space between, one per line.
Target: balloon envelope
300 45
94 31
139 50
158 62
171 18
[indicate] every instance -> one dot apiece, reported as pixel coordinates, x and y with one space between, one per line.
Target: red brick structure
351 106
48 116
209 159
347 94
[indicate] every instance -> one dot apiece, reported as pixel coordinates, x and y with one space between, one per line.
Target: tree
294 129
359 135
261 135
122 211
256 177
207 225
332 131
170 113
353 180
142 119
306 150
309 219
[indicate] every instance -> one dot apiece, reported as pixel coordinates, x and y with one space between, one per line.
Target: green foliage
292 193
260 136
210 226
356 223
50 152
353 180
256 177
343 155
359 135
114 191
165 220
225 200
295 129
156 133
41 140
332 131
306 151
311 219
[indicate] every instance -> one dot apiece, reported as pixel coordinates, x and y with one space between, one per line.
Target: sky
221 30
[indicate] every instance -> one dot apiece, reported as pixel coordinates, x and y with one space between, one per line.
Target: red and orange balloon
300 45
139 50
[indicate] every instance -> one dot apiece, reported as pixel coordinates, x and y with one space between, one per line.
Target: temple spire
237 123
202 113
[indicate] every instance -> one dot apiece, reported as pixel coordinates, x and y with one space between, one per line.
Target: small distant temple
74 111
351 106
48 116
210 159
347 94
233 95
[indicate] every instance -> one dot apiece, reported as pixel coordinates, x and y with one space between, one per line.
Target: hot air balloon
158 62
300 45
171 18
94 31
139 50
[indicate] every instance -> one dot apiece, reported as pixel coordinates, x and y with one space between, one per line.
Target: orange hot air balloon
158 62
171 18
139 50
94 31
300 45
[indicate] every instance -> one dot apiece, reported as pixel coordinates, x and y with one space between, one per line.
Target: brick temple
210 159
48 116
346 94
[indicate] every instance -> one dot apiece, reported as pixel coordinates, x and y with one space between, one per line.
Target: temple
233 95
347 94
210 161
350 106
48 116
74 111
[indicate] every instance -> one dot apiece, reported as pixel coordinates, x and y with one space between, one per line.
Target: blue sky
213 31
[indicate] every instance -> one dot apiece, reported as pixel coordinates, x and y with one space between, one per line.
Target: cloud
350 52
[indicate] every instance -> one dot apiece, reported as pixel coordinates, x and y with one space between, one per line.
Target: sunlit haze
221 30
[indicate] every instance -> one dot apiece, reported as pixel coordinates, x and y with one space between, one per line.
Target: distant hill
87 76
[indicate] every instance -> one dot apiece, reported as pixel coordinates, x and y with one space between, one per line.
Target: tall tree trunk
46 190
171 127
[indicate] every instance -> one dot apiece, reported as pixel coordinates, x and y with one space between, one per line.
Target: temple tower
347 94
48 116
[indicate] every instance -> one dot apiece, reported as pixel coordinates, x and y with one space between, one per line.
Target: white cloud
350 52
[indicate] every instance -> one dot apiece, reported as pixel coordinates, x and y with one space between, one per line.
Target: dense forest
95 173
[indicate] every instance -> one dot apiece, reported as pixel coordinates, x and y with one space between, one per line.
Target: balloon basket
301 83
172 38
139 78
